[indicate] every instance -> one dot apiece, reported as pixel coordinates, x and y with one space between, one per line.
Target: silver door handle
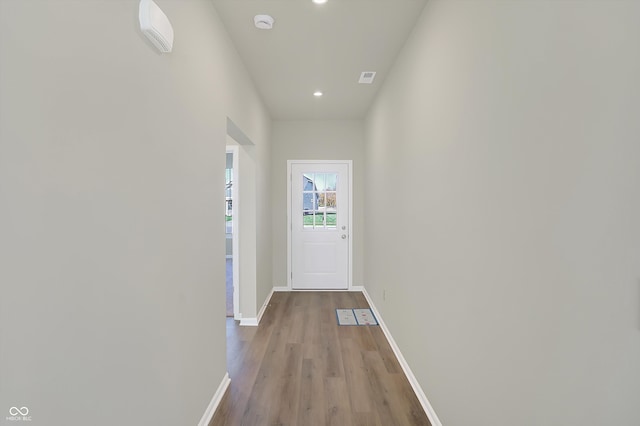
344 236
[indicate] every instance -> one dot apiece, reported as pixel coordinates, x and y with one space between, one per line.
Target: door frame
235 250
349 164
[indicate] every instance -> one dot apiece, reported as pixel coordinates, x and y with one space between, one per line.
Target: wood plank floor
298 367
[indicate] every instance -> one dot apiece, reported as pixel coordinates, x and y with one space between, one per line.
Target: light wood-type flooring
298 367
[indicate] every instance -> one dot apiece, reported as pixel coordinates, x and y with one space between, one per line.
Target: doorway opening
228 216
231 232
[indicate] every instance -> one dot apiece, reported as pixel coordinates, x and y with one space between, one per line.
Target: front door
320 221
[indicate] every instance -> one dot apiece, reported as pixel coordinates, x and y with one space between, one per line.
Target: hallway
298 367
492 214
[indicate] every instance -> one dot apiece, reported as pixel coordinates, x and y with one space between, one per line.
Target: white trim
355 288
349 164
251 322
235 250
422 397
215 401
289 183
254 322
350 277
307 290
264 305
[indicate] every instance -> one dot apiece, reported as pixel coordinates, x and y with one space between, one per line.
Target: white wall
111 223
315 140
508 133
264 191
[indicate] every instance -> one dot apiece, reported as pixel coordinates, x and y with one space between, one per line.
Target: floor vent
367 77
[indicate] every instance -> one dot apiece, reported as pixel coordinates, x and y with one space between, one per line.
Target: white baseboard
285 288
215 401
318 290
264 305
253 322
422 397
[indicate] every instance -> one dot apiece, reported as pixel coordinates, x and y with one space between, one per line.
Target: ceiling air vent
367 77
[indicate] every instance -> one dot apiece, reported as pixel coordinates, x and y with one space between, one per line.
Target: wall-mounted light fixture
156 26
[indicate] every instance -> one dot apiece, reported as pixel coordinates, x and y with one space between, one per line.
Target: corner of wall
415 385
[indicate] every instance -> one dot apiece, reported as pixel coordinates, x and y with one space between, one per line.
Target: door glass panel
319 181
319 209
310 201
307 182
330 209
312 220
307 219
321 201
331 181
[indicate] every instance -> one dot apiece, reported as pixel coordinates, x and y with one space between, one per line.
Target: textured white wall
508 133
111 223
315 140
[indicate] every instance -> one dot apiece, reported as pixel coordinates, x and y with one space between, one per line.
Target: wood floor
298 367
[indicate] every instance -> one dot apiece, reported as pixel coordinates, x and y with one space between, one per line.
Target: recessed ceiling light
319 1
317 93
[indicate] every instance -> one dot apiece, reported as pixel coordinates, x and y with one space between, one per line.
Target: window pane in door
319 181
331 181
311 220
330 209
307 219
319 207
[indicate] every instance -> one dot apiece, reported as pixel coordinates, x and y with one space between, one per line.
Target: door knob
344 236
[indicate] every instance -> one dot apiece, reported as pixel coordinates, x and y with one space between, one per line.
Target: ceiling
319 47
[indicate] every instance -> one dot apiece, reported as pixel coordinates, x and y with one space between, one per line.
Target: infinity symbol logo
14 411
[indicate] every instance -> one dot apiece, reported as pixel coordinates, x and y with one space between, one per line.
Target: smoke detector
263 22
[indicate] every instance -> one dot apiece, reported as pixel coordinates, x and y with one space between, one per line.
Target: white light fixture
319 1
263 22
317 93
156 26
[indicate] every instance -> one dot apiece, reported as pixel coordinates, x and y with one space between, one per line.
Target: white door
320 220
